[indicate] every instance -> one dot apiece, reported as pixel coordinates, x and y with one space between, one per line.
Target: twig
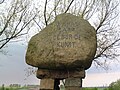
69 6
107 48
45 13
2 1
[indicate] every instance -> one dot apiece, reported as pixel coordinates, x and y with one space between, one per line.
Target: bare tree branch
6 24
106 48
15 22
15 35
55 7
68 6
54 10
2 1
37 24
85 7
45 17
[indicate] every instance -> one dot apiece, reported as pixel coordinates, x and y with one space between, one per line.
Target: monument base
50 79
60 74
49 84
73 84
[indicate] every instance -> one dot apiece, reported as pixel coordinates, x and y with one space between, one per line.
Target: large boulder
67 43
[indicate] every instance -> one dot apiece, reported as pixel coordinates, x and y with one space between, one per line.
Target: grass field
23 88
13 88
90 88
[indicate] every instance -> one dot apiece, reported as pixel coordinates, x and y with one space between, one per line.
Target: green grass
62 88
89 88
13 88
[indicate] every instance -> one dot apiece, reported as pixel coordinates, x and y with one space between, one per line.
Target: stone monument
63 50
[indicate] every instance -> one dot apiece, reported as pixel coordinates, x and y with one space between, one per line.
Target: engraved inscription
66 40
66 44
66 37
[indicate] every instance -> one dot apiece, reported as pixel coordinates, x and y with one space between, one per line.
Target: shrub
115 85
7 89
89 88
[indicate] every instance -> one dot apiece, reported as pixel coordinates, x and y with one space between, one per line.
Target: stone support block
73 83
47 84
61 74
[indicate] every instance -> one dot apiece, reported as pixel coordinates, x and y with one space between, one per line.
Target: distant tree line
115 85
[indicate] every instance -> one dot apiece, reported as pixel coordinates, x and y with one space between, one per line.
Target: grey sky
13 66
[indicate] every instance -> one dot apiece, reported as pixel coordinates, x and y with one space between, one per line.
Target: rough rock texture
67 43
60 74
47 84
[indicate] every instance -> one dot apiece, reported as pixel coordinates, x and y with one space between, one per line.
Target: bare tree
102 14
15 20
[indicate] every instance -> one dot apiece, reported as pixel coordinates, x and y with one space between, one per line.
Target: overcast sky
12 69
13 66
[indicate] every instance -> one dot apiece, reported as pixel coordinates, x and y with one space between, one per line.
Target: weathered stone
67 43
47 84
73 84
70 82
60 74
